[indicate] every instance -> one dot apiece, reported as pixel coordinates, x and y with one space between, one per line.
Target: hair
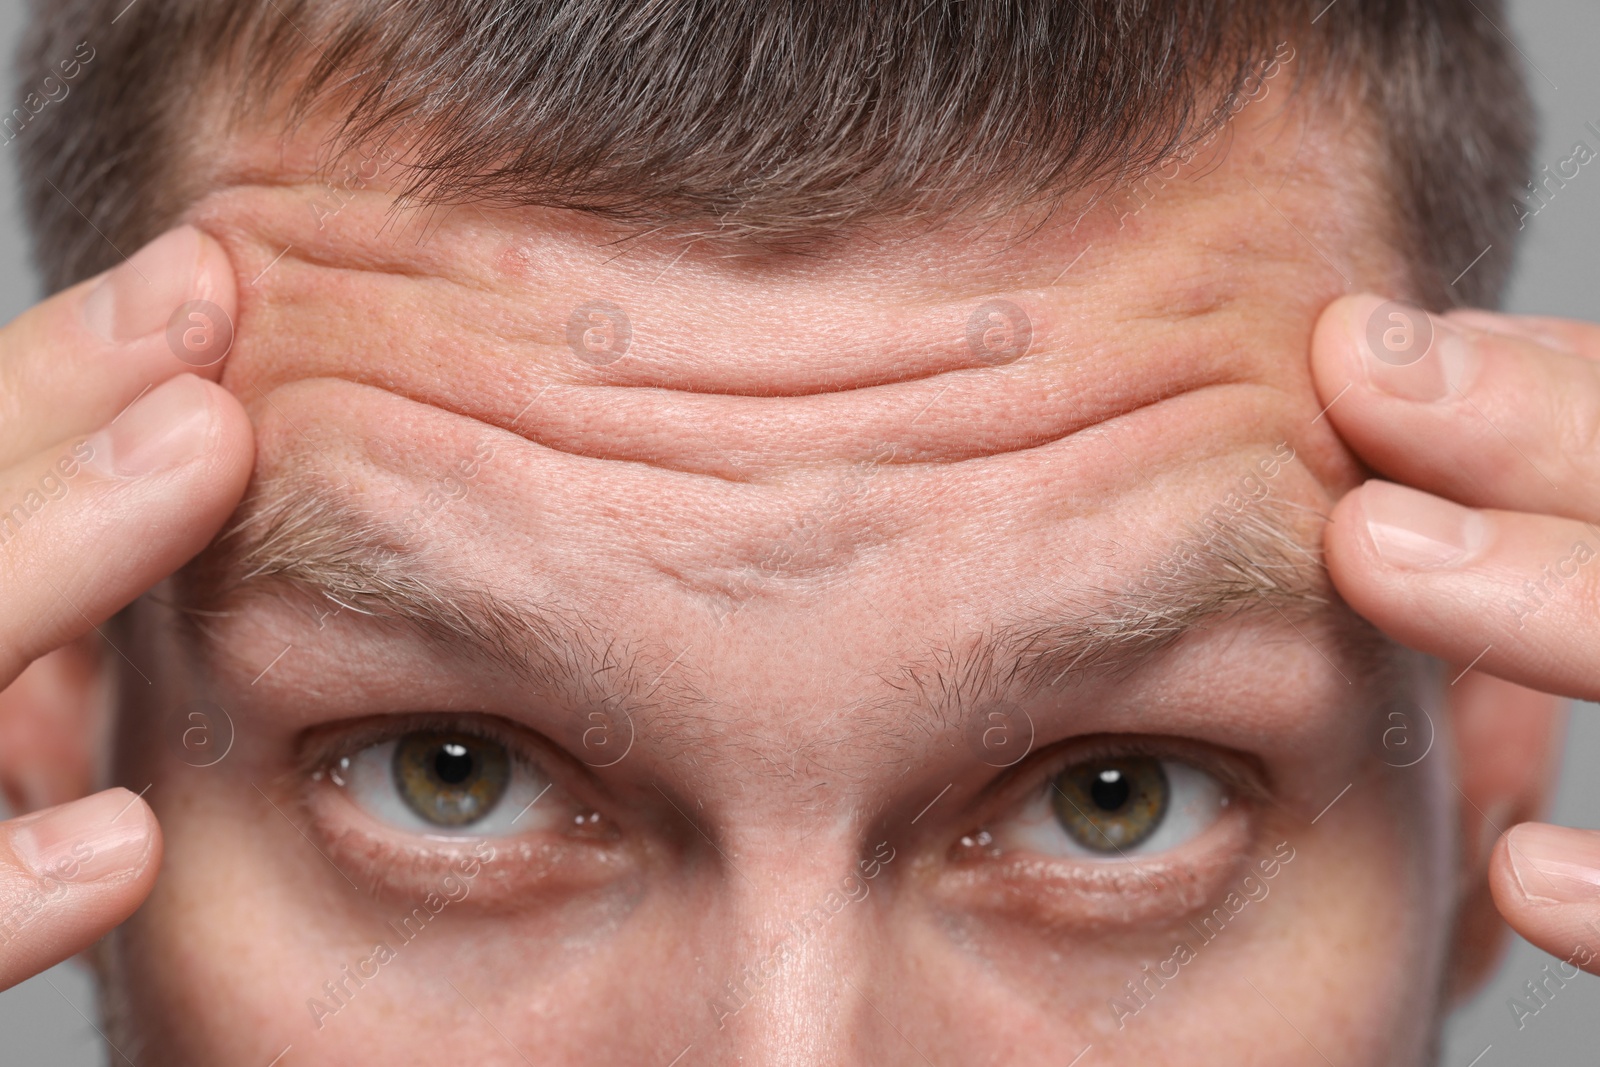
775 122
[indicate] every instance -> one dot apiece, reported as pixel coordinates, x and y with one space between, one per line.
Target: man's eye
447 783
1115 806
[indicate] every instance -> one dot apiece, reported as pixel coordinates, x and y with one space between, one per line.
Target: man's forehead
774 426
777 360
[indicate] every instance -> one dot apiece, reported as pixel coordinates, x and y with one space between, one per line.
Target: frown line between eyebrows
297 539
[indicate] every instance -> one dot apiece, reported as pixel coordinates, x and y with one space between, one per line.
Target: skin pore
790 552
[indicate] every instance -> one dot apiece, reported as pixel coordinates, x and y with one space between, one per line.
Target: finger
1564 335
1487 418
1546 884
1515 595
69 874
85 527
71 363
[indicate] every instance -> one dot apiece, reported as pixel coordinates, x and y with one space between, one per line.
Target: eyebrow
1260 559
293 536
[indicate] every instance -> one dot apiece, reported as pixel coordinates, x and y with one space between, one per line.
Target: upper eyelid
1241 775
319 747
570 781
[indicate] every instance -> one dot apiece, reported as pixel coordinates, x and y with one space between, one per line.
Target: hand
1488 553
118 462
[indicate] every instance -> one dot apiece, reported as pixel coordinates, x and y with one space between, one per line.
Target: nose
810 971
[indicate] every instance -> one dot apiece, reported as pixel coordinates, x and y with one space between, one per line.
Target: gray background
46 1020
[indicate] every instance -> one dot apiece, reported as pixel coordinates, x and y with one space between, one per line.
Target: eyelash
1243 777
394 861
321 749
1072 892
1058 890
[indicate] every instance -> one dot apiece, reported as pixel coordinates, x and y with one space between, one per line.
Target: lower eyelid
1070 893
520 873
561 851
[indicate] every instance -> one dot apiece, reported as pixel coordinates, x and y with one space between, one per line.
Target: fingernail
1417 530
1407 353
137 298
168 426
85 840
1555 864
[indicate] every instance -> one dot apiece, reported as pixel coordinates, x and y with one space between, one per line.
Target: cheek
1349 943
252 940
1359 912
1365 912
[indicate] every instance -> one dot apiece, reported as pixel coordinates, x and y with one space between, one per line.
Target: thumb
69 874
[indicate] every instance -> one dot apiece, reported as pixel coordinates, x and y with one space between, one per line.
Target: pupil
453 764
1110 790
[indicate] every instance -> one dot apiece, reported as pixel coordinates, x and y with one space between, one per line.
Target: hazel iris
1110 805
450 779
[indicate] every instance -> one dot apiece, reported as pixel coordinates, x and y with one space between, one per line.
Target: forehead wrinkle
298 539
294 536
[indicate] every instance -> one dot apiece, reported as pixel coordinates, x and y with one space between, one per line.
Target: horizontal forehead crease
961 415
740 371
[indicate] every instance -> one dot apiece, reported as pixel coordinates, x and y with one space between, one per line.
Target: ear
50 721
1508 749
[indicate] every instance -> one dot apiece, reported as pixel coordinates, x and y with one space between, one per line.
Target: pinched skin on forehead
795 539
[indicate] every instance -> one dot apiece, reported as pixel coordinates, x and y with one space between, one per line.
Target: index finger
71 363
